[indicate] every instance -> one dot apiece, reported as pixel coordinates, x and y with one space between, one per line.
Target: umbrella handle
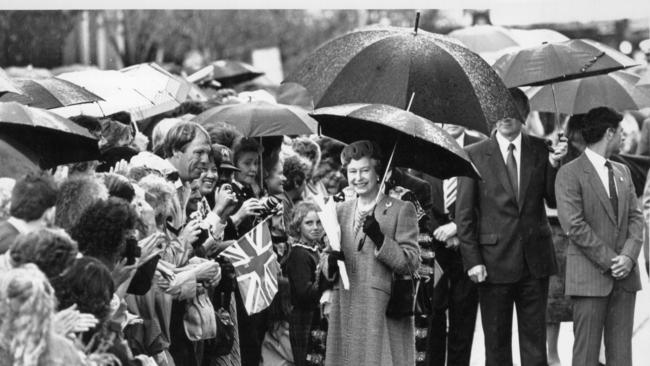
381 189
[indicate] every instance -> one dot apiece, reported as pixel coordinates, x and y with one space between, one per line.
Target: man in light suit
597 207
505 237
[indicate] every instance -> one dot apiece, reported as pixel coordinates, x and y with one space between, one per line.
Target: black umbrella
50 93
386 65
417 142
52 139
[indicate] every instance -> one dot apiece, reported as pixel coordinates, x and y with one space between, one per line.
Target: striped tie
449 188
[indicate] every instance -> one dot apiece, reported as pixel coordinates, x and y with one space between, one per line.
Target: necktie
449 190
613 196
511 165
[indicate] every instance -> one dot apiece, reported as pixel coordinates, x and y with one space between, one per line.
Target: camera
131 251
271 205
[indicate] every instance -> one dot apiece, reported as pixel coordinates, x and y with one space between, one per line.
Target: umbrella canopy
616 90
230 72
15 159
485 38
143 90
258 119
419 143
7 85
50 93
554 62
53 139
645 78
386 65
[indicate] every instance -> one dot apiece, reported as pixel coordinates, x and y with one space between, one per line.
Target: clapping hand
70 320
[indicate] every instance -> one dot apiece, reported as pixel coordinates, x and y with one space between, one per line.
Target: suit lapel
496 162
526 168
597 186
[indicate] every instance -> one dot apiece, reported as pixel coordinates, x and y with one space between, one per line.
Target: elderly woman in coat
378 239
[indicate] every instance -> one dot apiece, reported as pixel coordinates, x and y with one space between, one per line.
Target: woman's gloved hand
372 229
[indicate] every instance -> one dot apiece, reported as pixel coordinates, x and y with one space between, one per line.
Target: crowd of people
121 261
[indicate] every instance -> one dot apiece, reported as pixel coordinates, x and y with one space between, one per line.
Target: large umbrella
260 119
387 65
417 142
50 93
616 90
562 61
52 139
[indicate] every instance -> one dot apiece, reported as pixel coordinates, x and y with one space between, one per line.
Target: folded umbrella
51 139
260 119
559 61
51 92
417 142
616 90
386 65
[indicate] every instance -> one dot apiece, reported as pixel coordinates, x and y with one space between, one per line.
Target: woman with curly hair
103 229
27 337
87 283
52 250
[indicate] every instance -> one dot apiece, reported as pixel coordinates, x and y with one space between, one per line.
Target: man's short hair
180 136
521 102
597 122
32 196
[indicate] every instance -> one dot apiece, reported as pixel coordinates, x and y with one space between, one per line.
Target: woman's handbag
199 319
403 296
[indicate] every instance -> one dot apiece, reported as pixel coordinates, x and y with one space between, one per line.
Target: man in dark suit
455 294
597 207
505 237
32 207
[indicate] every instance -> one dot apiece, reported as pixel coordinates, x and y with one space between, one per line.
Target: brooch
388 204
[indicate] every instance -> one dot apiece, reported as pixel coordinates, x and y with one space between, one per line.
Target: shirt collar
596 159
504 142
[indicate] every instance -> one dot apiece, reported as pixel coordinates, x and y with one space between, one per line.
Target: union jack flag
256 266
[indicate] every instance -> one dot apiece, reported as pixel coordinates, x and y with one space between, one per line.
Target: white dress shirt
598 161
503 147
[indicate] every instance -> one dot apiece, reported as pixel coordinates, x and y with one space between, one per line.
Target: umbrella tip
417 21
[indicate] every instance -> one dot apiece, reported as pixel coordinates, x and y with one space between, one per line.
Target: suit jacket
586 215
511 238
8 234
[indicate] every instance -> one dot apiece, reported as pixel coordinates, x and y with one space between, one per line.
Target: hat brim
228 166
